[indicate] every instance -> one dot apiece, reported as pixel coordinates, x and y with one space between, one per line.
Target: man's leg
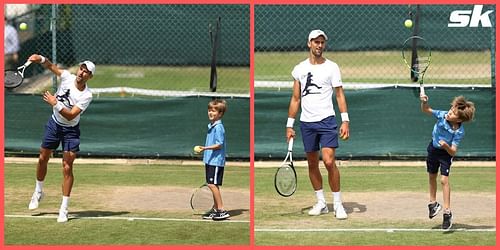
67 185
328 155
41 172
43 160
314 173
317 183
67 164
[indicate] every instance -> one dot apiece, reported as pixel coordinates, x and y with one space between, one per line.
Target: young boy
446 136
214 157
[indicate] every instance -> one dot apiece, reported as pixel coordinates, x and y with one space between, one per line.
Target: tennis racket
416 24
201 200
13 78
416 54
285 179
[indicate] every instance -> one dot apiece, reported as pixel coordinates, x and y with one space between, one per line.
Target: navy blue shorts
322 133
438 158
56 134
214 175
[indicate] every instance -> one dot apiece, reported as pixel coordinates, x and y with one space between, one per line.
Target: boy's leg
446 192
434 206
432 187
217 196
447 216
433 165
214 177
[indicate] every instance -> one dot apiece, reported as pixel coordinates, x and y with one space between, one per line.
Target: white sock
336 197
38 186
320 196
65 202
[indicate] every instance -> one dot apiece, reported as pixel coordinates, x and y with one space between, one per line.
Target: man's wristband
289 122
59 106
42 59
344 116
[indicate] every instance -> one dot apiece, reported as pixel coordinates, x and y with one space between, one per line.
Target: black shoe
210 214
447 221
434 209
221 215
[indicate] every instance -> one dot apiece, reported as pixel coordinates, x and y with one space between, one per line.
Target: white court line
388 230
119 218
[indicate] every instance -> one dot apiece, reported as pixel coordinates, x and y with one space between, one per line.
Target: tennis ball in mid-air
23 26
408 23
197 149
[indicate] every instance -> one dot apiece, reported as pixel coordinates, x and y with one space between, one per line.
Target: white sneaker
339 211
319 208
35 199
63 215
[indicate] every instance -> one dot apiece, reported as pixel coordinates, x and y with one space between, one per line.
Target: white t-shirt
69 96
316 88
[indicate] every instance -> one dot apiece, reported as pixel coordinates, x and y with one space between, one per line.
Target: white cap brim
90 66
316 33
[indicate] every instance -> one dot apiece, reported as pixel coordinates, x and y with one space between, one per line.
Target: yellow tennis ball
197 149
23 26
408 23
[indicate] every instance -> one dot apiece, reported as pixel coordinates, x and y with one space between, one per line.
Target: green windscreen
384 123
130 127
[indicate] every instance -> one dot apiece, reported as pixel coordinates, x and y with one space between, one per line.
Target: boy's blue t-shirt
215 135
443 130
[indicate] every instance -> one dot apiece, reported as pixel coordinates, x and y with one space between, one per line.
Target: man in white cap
315 80
71 99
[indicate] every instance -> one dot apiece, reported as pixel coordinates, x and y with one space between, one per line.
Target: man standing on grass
72 98
315 80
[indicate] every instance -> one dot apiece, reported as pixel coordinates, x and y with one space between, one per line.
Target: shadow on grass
350 207
236 212
457 227
85 214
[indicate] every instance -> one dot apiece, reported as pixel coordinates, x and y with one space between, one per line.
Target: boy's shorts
214 174
322 133
438 158
56 134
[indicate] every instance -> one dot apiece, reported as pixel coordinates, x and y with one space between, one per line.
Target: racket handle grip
290 144
27 63
422 91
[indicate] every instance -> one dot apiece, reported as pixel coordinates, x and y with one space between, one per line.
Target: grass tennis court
195 79
382 66
231 79
124 204
385 205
